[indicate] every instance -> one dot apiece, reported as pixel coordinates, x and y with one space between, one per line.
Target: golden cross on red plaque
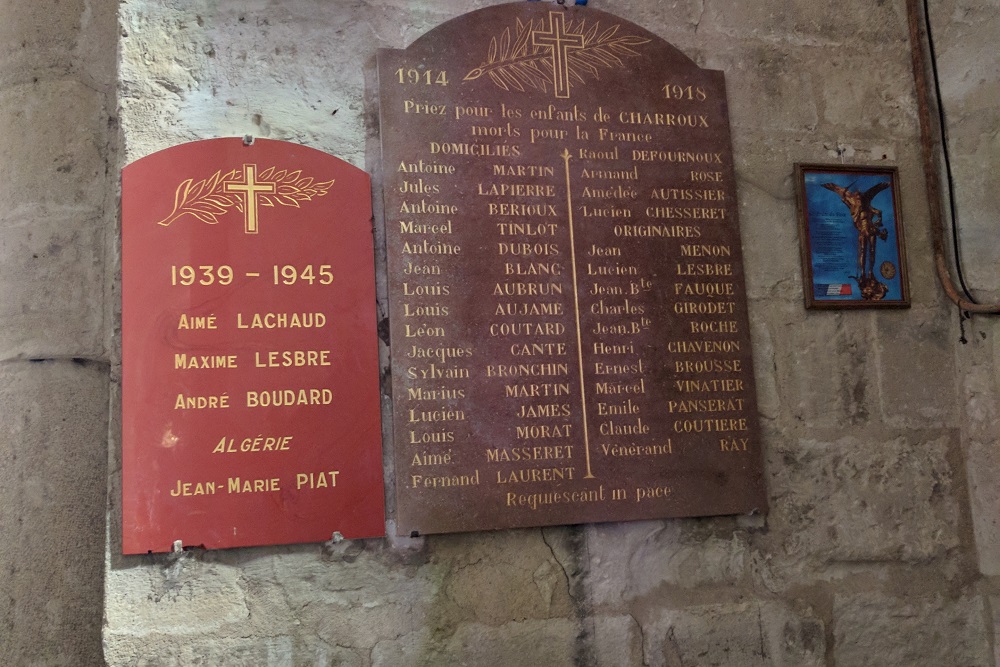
251 188
561 44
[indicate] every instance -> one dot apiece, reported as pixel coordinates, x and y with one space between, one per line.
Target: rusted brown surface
569 327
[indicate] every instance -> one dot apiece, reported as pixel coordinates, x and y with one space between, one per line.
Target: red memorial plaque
250 392
569 327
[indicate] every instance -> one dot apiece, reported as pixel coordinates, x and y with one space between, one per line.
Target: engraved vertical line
576 305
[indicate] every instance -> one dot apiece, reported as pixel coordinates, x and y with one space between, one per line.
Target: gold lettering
291 358
184 489
184 361
428 482
197 322
240 485
316 480
183 402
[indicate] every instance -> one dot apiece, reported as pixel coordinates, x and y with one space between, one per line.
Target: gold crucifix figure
561 44
251 188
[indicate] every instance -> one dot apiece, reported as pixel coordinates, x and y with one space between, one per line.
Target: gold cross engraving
561 43
243 188
523 59
250 188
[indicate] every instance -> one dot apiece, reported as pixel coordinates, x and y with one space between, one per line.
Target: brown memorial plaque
569 328
250 400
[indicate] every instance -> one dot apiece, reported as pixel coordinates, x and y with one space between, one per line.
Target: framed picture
852 238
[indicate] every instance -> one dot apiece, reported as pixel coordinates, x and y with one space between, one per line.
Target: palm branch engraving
211 197
291 187
205 200
515 61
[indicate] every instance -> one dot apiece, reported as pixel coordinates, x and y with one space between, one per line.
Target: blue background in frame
833 238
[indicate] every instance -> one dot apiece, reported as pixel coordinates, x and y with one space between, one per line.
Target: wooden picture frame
851 237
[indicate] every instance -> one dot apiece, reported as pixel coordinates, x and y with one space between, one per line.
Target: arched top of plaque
246 179
545 50
249 348
551 176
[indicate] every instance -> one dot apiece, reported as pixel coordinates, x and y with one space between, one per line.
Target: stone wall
879 426
57 215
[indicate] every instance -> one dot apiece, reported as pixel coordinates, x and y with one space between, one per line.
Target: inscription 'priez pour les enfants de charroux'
565 270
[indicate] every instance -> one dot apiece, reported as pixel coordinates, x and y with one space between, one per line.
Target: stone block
165 50
877 630
52 285
850 103
394 33
995 607
865 499
764 350
724 635
53 445
53 149
677 22
264 650
182 596
856 23
980 386
824 364
925 287
617 641
916 368
138 114
96 51
196 65
980 199
357 598
353 597
967 64
761 80
350 617
50 38
767 215
502 575
513 644
167 651
633 560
